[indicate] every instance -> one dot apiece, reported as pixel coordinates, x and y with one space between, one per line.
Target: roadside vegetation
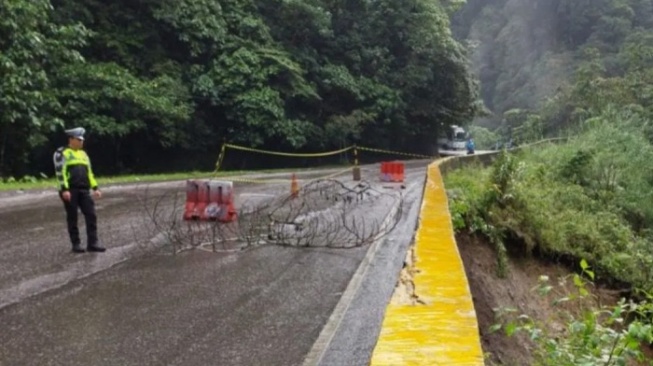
586 200
44 182
160 85
527 55
589 197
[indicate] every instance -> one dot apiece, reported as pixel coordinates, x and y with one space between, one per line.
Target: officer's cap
77 133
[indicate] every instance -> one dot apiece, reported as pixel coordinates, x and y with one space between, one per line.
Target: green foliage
588 76
505 172
478 204
173 78
483 137
587 198
466 188
110 101
592 335
32 48
588 55
576 170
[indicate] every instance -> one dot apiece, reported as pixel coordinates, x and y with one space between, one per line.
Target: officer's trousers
81 199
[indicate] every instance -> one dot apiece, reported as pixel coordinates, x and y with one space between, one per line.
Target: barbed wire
325 213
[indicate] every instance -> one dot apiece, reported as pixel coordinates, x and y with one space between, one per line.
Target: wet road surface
136 305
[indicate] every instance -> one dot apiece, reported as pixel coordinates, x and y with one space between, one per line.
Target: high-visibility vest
64 159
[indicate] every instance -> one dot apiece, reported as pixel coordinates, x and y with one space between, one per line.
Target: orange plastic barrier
210 200
192 197
392 171
294 187
202 199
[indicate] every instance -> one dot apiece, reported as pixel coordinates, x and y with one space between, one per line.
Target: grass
548 199
544 210
28 184
46 183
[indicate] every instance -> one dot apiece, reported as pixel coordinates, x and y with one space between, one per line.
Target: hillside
517 291
578 208
556 254
159 85
545 57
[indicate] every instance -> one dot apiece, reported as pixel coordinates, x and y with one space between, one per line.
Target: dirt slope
516 291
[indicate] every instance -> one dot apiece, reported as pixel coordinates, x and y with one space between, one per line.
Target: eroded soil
517 291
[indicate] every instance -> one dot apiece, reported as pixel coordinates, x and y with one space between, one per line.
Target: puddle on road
86 265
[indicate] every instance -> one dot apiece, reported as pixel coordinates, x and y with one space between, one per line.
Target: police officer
76 180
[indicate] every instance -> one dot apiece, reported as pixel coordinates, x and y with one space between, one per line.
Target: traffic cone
294 186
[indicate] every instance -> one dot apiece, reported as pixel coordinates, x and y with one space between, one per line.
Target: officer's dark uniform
74 173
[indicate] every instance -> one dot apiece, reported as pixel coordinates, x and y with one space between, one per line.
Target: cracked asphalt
137 304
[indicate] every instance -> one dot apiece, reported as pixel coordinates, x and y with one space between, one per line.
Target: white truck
452 138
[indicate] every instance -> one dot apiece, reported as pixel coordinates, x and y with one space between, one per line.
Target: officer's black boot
95 248
78 248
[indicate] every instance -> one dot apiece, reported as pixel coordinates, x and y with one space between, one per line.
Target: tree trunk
118 162
3 148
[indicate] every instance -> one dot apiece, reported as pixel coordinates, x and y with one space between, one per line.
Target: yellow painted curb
443 330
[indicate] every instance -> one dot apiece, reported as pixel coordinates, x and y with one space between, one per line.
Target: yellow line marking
443 330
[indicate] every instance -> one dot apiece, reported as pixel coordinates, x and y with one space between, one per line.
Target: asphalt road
137 304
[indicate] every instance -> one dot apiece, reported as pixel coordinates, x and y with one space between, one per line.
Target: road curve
134 305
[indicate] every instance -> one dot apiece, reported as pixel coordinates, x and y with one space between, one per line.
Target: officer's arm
91 177
60 169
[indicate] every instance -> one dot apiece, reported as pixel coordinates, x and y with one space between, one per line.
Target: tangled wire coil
325 213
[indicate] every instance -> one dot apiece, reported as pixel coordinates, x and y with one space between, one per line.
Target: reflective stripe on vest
78 157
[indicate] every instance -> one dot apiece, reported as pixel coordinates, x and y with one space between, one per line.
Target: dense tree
565 60
158 80
32 50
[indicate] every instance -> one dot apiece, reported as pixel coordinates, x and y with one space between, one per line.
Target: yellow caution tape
300 155
283 181
220 158
308 155
315 155
332 175
395 152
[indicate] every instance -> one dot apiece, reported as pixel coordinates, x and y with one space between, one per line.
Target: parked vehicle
453 138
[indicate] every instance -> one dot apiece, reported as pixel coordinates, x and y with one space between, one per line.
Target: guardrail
441 328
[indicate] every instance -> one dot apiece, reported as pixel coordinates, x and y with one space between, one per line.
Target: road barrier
392 171
192 198
209 200
294 187
442 328
353 148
